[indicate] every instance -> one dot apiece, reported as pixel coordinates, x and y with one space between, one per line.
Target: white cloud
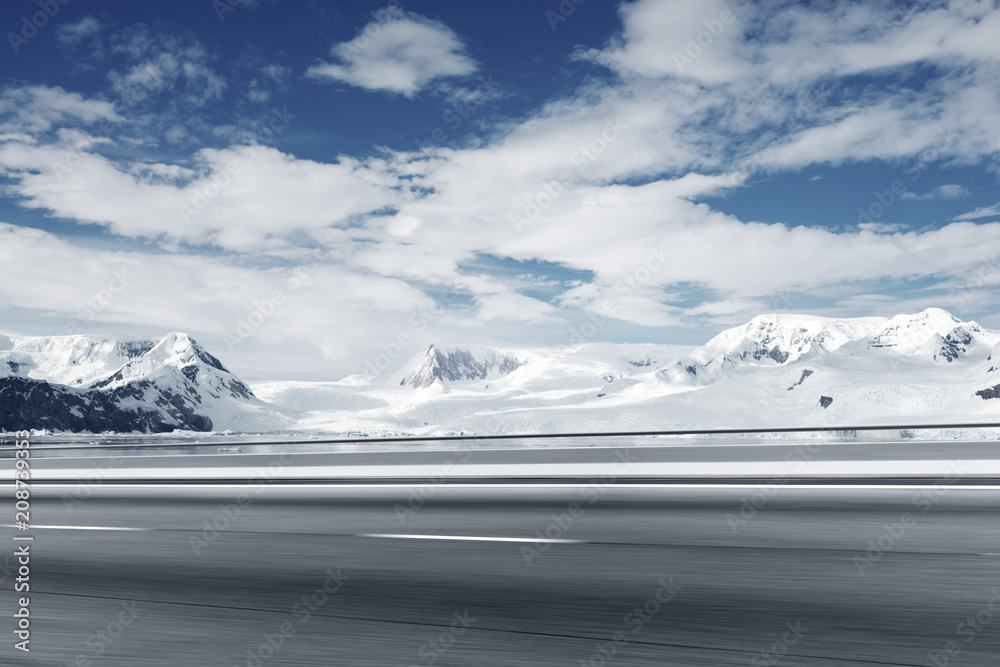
320 306
603 183
156 63
678 38
36 109
948 191
241 198
398 53
71 34
793 44
981 212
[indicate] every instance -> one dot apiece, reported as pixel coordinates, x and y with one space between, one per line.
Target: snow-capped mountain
776 370
97 383
766 340
451 363
777 340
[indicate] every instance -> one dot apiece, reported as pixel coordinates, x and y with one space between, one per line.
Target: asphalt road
513 572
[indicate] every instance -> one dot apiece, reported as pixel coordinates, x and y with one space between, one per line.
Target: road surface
621 567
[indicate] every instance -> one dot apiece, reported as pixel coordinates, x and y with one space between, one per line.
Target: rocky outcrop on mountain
989 392
93 384
134 407
775 340
456 364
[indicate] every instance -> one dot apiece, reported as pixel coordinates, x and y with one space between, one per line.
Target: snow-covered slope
76 361
98 383
777 340
776 370
451 363
767 340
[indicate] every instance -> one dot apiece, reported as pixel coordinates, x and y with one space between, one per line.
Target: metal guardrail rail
224 442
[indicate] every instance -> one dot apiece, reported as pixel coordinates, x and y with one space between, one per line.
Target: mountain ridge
775 370
98 383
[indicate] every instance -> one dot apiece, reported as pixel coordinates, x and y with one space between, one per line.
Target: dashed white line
124 528
468 538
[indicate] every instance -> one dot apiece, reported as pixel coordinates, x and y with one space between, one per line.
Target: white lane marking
35 527
470 538
544 485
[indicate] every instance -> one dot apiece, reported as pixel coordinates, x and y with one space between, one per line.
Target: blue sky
303 185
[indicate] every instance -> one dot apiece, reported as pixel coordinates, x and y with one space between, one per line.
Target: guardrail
225 442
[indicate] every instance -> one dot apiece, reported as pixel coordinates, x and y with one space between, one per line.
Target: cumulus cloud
81 289
241 198
36 109
794 44
701 40
398 53
606 183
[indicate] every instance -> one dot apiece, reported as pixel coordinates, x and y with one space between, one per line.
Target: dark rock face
989 392
805 374
133 349
825 401
26 404
955 344
775 353
779 356
176 396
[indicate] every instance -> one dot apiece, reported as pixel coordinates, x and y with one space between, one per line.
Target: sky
311 187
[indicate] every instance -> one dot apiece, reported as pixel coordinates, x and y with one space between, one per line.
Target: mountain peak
778 339
443 362
92 383
934 330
